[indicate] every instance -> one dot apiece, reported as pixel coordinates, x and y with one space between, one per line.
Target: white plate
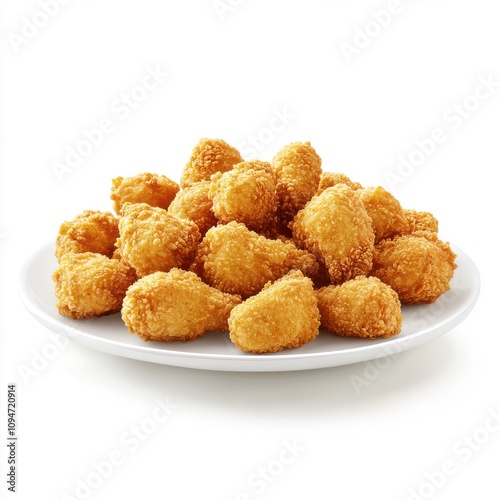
214 351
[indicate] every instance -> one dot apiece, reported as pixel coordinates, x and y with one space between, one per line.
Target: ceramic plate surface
214 351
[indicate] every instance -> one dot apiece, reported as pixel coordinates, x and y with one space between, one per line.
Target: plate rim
245 361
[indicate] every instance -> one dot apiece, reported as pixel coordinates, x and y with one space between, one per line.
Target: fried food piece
153 240
298 167
175 306
236 260
91 231
418 266
421 221
193 203
336 228
90 284
362 307
388 218
283 315
155 190
208 157
246 194
329 179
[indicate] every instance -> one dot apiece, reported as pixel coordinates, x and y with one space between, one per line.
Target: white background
229 72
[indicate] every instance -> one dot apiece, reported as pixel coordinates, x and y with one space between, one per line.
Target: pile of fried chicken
267 251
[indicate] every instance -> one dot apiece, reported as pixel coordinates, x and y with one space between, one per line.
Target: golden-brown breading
336 228
421 221
388 218
175 306
361 307
155 190
236 260
418 266
90 231
90 284
247 194
194 204
329 179
208 157
298 167
283 315
153 240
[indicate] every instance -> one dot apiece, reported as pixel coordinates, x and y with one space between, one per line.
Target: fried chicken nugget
329 179
336 228
175 306
208 157
421 221
155 190
236 260
246 194
417 266
90 284
362 307
298 168
283 315
153 240
193 203
91 231
387 214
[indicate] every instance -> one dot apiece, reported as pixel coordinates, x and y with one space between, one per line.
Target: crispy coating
236 260
362 307
283 315
337 229
298 167
90 284
208 157
246 194
91 231
155 190
153 240
421 221
175 306
388 218
418 266
329 179
194 204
